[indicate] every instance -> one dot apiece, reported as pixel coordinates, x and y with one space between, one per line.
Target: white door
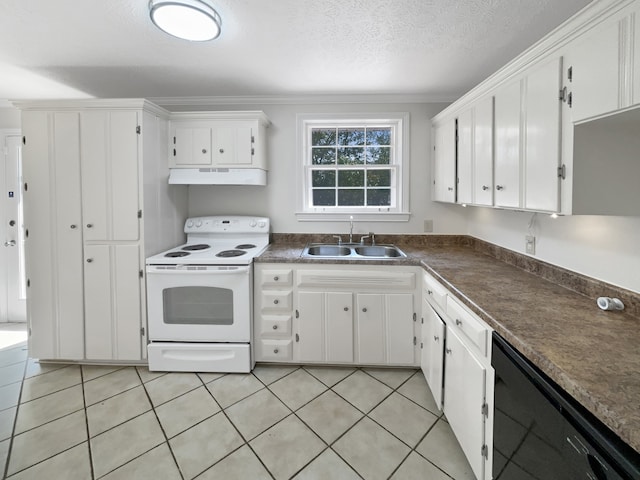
466 154
444 165
432 354
507 146
13 296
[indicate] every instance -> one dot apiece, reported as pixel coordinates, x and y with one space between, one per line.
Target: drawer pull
436 338
276 301
275 350
276 278
275 327
448 350
364 309
346 309
204 150
429 292
458 322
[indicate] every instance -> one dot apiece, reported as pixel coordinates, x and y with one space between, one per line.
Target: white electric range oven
200 296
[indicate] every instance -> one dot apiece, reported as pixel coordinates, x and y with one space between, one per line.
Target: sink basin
352 251
385 251
327 251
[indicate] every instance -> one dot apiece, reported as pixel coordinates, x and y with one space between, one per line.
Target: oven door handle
197 271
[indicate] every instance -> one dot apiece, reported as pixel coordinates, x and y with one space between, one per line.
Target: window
352 165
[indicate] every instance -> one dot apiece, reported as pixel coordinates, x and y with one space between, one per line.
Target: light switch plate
428 226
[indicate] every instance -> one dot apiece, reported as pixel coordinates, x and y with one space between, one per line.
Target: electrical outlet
428 226
530 244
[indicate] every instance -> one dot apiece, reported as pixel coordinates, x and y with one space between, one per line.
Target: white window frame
399 209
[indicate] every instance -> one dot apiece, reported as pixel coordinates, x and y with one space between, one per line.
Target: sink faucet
371 235
351 229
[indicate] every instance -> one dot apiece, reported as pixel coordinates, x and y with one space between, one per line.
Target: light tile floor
279 422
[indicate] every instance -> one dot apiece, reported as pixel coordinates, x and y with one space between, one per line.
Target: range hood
217 176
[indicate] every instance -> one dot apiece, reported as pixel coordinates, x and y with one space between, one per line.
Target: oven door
189 303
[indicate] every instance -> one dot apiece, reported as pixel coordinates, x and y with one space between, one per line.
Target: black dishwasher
542 433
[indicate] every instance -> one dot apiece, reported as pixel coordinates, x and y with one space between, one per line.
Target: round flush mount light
194 20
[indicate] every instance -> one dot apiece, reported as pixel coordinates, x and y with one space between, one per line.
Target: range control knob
252 223
190 223
199 223
261 223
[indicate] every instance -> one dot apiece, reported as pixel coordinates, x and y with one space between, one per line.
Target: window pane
323 178
350 197
323 136
379 196
351 156
323 156
378 155
351 178
351 136
322 198
379 178
379 136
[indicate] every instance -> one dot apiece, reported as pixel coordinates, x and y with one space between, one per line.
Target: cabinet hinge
415 340
570 100
139 213
297 338
174 140
253 139
141 273
138 129
28 282
421 345
24 139
485 410
563 94
415 317
253 151
570 74
142 332
562 171
484 451
422 321
29 331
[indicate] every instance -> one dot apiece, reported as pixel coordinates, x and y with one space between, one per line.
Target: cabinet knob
204 150
499 187
485 187
364 309
73 226
275 350
429 292
89 260
221 150
275 327
276 278
436 338
276 301
450 189
448 350
458 322
89 225
346 309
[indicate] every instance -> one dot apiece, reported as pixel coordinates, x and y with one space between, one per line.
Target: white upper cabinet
542 137
508 143
483 155
444 164
466 153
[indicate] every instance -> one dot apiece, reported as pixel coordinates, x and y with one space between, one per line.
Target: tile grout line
5 472
86 422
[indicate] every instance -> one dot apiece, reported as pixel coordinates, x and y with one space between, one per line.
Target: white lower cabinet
456 362
346 315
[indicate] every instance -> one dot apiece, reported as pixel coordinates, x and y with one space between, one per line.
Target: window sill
357 217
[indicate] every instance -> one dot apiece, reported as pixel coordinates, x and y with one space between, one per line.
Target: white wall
9 117
278 199
603 247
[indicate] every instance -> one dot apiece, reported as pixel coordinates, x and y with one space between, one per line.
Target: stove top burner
245 246
196 247
176 254
230 253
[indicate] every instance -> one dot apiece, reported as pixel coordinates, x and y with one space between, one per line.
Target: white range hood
217 176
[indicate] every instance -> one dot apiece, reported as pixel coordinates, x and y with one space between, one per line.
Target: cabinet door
399 329
483 158
110 175
112 302
466 152
444 162
432 352
464 396
595 79
191 146
371 328
507 138
54 238
232 145
325 327
542 138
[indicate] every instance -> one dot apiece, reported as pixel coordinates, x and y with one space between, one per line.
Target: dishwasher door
542 433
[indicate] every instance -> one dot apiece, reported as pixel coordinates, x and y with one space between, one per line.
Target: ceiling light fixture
194 20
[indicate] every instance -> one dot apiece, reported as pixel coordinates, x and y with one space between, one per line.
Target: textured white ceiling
109 48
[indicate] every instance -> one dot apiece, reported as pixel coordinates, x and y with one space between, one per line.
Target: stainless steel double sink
352 251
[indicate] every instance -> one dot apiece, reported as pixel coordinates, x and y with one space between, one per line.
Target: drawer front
436 293
273 277
277 325
472 328
277 300
275 350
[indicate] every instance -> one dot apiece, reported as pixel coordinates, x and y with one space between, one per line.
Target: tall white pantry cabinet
96 203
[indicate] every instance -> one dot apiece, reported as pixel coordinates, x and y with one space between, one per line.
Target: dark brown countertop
592 354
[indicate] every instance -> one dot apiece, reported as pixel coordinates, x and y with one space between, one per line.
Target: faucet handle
362 238
339 239
373 238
